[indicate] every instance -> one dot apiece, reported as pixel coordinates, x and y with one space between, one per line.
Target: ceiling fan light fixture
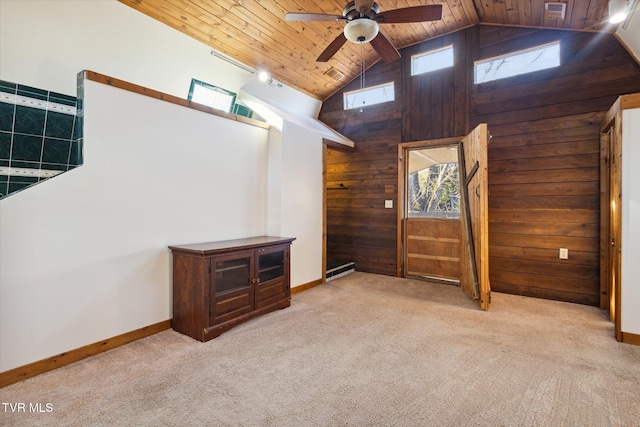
361 30
617 11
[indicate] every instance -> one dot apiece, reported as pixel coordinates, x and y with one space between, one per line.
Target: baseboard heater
341 271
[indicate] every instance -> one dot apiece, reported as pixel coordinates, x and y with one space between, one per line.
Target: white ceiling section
628 32
287 104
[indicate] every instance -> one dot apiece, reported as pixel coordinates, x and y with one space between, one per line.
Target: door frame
611 218
403 149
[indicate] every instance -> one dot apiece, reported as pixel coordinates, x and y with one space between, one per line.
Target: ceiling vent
554 10
334 74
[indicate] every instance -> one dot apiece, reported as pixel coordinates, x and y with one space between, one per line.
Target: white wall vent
554 10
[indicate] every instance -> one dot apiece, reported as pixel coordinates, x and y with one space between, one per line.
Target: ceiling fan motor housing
350 12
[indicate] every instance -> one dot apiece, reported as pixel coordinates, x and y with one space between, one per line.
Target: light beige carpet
363 350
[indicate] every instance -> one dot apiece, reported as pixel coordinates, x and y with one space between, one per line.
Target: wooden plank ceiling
256 34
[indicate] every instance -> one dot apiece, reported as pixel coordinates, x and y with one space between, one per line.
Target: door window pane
433 185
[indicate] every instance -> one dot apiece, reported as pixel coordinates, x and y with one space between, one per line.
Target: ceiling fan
362 18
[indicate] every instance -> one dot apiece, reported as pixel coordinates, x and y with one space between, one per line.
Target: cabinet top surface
211 248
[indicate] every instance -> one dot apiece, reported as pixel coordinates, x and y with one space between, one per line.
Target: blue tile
29 121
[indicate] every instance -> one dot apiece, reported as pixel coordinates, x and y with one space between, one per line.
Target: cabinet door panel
271 263
270 293
232 305
231 272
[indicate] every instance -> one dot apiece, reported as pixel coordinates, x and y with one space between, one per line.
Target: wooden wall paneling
433 100
545 144
544 157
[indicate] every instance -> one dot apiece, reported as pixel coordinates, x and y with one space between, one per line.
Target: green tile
77 128
75 158
6 116
5 145
29 121
24 179
55 166
17 186
59 125
32 92
8 87
27 148
59 98
56 151
26 165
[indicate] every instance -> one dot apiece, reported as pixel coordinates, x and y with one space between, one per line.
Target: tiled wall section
40 136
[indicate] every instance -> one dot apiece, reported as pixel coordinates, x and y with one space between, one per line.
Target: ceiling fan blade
332 48
410 14
306 17
363 6
385 48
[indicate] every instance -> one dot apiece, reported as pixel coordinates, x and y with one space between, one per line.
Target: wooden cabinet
217 285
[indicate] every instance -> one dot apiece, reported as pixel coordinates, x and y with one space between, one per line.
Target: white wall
84 255
630 287
295 176
45 43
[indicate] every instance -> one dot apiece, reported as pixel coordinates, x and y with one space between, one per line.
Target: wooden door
474 215
428 217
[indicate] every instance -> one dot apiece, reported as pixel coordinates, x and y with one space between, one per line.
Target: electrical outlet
564 253
388 204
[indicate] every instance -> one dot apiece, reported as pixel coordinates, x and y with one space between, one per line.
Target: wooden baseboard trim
630 338
51 363
306 286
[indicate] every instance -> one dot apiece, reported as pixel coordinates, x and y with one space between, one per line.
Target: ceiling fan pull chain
362 71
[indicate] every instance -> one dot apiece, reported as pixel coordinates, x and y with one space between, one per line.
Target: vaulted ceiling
255 32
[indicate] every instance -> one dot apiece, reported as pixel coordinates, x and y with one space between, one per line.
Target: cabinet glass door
270 265
232 274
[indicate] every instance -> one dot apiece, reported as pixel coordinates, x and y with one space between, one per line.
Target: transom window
432 60
211 96
516 63
369 96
